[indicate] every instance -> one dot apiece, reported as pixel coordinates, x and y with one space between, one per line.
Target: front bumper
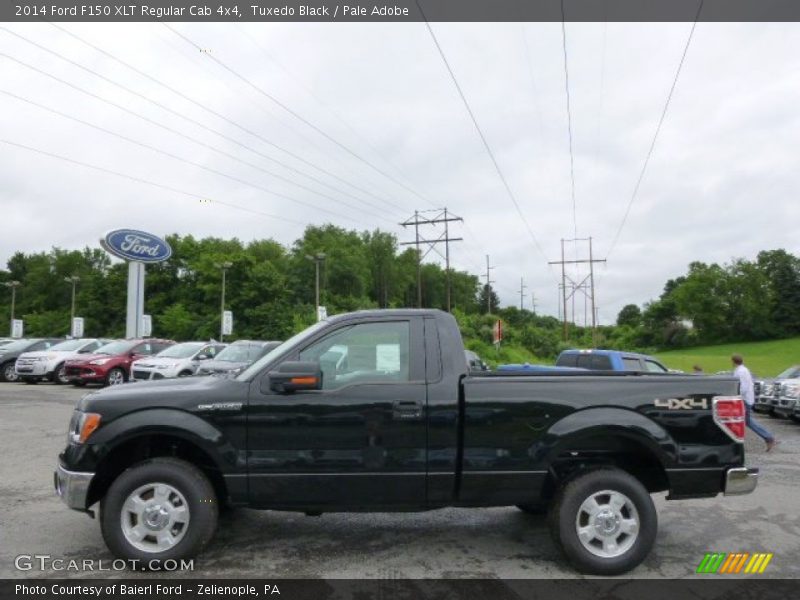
740 480
72 487
786 407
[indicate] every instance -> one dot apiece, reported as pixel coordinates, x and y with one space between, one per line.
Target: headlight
172 366
99 361
792 391
82 426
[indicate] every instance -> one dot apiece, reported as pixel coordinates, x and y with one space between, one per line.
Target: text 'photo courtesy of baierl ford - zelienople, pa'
409 299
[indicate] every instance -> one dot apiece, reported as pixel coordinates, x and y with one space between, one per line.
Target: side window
363 353
594 362
631 364
41 345
146 348
567 360
654 367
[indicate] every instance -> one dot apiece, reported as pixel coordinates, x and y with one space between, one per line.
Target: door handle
406 409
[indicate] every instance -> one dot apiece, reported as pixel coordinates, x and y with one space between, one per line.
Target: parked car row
113 362
779 397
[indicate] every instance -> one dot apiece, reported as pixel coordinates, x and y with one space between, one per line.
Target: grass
765 359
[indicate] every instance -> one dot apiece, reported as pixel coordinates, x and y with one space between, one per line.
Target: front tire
7 372
60 375
159 509
604 521
116 376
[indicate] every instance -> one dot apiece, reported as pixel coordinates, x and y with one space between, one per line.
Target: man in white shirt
747 391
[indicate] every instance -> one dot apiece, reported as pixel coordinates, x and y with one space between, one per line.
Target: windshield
15 346
285 347
181 350
790 373
113 348
69 345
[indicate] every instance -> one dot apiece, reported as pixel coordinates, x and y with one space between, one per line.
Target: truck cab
609 360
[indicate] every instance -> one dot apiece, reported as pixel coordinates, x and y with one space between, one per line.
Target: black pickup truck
379 411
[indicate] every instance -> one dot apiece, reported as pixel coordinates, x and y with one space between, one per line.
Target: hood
184 393
84 358
45 353
155 360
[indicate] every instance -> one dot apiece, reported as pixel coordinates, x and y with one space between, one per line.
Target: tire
185 493
116 376
533 509
613 549
7 372
60 375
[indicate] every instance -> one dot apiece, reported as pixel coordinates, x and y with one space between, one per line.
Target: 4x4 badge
681 403
221 406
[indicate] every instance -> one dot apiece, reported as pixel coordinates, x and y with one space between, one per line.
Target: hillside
765 359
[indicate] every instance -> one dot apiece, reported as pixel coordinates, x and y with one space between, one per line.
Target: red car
111 364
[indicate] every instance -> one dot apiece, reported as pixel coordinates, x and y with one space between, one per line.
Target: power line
170 155
480 133
189 119
658 130
295 114
569 119
324 104
148 182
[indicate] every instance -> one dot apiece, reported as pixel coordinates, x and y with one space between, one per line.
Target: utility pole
441 216
489 283
318 259
13 285
224 266
522 288
533 302
576 286
73 279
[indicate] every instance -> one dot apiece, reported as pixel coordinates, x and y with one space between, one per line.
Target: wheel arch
158 433
603 437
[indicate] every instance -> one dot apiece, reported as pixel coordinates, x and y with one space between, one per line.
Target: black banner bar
711 587
357 11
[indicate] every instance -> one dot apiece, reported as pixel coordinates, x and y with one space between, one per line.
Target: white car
33 367
180 360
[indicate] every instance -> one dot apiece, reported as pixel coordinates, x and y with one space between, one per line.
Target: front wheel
159 509
116 376
8 373
60 375
604 521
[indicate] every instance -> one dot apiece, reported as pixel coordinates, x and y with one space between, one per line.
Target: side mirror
292 376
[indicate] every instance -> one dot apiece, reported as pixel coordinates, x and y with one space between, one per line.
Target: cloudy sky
721 183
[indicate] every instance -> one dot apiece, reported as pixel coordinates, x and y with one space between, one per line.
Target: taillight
729 414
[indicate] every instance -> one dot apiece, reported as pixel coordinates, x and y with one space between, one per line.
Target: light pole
73 279
13 285
318 259
224 266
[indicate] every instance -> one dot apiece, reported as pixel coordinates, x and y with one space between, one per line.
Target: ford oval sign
140 246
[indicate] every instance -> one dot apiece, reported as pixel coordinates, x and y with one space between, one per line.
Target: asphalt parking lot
452 543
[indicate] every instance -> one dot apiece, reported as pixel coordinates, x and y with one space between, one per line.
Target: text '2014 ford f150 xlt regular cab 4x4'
378 411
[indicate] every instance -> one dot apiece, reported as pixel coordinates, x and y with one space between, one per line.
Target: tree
494 300
630 315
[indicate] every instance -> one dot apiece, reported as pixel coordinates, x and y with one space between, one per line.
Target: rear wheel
604 521
116 376
159 509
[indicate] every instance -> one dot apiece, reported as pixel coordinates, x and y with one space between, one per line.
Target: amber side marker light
91 421
304 380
